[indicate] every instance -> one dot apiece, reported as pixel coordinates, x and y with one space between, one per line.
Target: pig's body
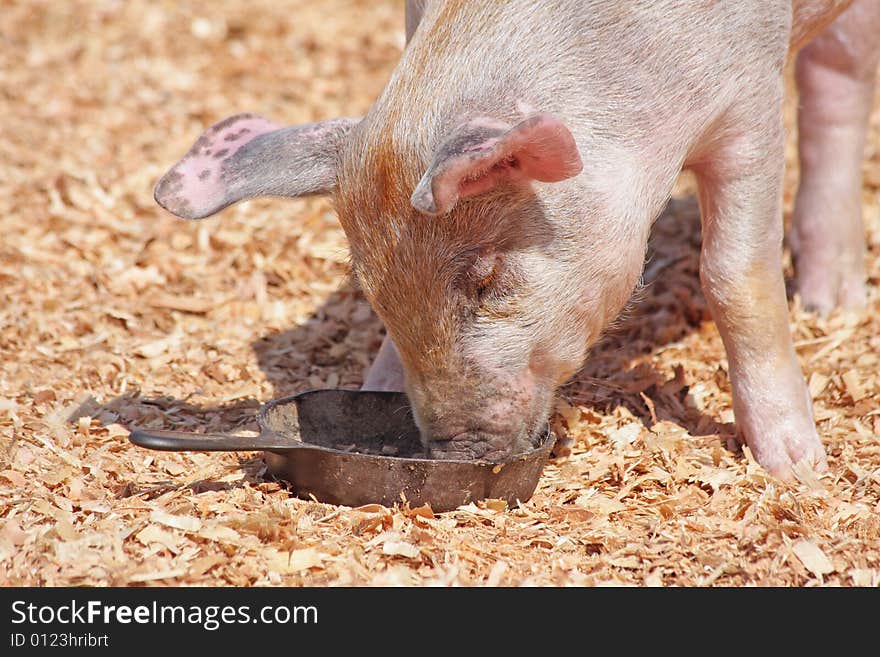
499 195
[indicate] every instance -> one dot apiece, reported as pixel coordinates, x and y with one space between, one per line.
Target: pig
499 194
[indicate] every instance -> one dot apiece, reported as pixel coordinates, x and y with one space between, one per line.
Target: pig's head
474 251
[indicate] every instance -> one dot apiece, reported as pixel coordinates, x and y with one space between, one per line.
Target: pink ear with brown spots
246 156
484 153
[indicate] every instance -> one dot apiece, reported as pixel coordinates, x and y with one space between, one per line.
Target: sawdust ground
115 314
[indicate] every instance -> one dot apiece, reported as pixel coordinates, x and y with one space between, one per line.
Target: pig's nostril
461 447
470 445
467 445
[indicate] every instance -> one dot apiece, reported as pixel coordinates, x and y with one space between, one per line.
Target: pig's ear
246 156
484 153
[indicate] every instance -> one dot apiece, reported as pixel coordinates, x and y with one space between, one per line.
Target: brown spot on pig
230 121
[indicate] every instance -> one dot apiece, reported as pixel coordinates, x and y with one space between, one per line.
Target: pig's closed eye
486 273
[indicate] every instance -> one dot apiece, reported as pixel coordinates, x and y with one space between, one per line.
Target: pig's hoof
829 275
823 292
779 454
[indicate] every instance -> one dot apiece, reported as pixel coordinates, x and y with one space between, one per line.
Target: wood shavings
865 577
220 534
812 556
294 561
400 548
622 437
186 523
115 315
169 575
153 534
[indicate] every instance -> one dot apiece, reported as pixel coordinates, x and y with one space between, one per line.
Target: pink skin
747 294
498 434
495 257
543 148
771 401
387 372
836 79
245 156
198 175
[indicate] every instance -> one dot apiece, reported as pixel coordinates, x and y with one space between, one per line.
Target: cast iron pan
355 447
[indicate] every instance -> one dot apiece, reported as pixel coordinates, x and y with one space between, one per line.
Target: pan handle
184 441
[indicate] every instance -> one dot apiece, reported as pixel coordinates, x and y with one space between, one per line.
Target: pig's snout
469 422
471 445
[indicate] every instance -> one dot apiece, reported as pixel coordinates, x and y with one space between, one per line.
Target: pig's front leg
386 372
740 183
835 75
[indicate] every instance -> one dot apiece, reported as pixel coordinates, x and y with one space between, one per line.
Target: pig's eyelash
482 280
486 282
497 294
